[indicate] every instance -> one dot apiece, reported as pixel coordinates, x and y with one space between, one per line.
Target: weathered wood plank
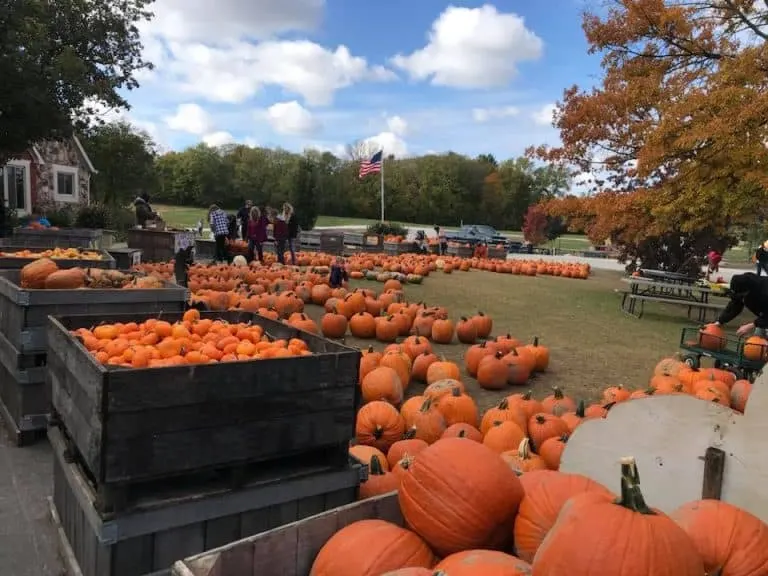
714 467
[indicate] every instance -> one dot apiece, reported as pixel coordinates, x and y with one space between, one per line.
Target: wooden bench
702 308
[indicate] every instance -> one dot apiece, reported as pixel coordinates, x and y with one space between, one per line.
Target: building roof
38 157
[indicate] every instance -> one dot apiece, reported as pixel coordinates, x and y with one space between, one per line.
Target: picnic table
642 290
668 277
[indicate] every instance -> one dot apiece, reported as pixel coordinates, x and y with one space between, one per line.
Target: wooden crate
461 251
331 242
309 240
185 520
25 398
205 249
126 258
136 425
11 262
159 245
24 313
61 238
497 253
289 550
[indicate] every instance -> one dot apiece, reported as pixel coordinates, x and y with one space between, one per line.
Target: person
219 223
442 240
713 262
338 274
243 218
143 210
748 291
39 219
280 232
257 233
200 227
761 259
293 230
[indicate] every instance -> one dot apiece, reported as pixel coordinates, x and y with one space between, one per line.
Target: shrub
387 229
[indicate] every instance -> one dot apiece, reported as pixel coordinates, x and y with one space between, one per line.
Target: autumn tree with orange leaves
676 130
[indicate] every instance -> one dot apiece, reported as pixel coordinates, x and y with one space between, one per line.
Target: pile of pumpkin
54 254
157 343
44 274
713 337
467 513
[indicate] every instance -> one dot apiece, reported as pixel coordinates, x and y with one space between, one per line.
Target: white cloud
291 118
190 118
397 125
485 114
473 48
390 142
199 20
544 115
220 138
236 72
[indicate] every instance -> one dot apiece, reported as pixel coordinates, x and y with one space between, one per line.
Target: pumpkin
421 364
540 354
475 354
370 548
427 423
551 451
379 424
382 383
463 430
729 540
457 408
459 495
574 419
712 337
492 372
543 426
442 331
333 325
400 363
466 331
523 460
379 481
34 274
408 446
740 392
443 370
541 505
483 324
69 279
526 402
482 563
625 534
503 412
369 360
519 366
362 325
365 454
756 349
557 403
615 394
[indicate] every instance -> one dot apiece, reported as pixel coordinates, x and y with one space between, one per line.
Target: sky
411 77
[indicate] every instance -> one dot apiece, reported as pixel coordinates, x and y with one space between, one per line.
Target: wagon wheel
693 360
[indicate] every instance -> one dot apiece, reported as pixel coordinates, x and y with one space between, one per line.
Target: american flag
371 166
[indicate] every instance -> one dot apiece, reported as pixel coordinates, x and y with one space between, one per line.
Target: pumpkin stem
504 404
456 391
528 395
375 467
557 393
524 450
499 354
541 419
462 434
580 409
409 434
535 341
480 313
631 496
426 406
378 432
608 406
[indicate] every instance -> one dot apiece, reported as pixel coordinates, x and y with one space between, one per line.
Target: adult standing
144 211
280 232
761 259
219 222
293 230
257 233
243 217
442 240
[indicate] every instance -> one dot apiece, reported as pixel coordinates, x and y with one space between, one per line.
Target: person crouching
338 274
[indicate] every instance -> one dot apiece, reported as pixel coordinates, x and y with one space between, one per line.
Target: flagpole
381 173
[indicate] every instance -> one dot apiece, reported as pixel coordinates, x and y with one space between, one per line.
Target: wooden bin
185 520
331 242
289 550
205 249
132 426
159 245
461 251
309 240
126 258
25 397
497 253
12 262
61 238
24 313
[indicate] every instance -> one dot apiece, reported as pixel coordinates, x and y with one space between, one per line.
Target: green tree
304 198
126 160
56 57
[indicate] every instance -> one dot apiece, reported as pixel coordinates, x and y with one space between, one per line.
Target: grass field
592 343
187 217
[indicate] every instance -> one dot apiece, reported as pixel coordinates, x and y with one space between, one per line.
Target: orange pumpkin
34 274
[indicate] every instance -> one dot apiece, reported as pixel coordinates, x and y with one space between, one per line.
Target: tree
535 225
304 199
59 58
126 160
677 124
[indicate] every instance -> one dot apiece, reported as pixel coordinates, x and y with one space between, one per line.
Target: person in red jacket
280 232
257 233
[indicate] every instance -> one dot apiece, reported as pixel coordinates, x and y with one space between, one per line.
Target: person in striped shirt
220 229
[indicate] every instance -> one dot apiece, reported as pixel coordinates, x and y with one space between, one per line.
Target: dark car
477 234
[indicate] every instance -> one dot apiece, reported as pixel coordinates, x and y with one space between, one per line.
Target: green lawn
187 217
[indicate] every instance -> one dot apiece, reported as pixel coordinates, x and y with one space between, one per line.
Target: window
65 183
15 185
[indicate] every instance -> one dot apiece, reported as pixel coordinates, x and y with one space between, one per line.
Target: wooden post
714 466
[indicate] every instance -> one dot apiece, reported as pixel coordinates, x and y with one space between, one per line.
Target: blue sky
414 77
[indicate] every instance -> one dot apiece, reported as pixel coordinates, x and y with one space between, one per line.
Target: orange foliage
680 112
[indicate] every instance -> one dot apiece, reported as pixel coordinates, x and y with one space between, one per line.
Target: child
713 258
338 274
